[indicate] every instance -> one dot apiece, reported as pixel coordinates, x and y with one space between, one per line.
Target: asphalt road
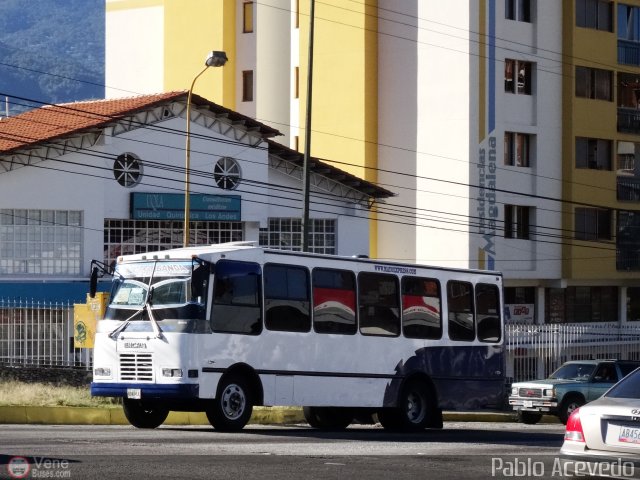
460 451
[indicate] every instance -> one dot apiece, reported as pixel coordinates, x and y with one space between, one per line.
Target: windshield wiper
146 306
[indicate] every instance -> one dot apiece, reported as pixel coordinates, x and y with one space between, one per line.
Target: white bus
223 328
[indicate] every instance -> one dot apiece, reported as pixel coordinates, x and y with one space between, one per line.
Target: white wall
130 71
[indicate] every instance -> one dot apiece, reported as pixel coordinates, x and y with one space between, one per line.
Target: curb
55 415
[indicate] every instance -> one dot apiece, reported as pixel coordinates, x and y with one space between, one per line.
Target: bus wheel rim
233 401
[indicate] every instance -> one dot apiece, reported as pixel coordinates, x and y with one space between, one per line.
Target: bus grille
136 366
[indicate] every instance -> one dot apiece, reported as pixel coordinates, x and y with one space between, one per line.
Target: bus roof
213 252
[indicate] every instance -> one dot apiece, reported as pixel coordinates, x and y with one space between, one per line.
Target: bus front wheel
232 407
143 415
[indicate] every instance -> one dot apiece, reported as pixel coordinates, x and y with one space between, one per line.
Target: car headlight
549 392
514 390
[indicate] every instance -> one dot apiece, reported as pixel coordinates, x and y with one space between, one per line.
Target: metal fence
534 351
39 333
36 333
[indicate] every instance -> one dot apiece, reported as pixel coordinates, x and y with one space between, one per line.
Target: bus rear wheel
414 411
233 405
144 415
327 418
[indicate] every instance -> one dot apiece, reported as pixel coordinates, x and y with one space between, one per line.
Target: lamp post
214 59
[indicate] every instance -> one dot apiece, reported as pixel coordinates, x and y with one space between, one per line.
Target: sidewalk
261 416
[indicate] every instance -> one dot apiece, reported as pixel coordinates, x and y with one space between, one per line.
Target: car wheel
529 418
143 415
568 406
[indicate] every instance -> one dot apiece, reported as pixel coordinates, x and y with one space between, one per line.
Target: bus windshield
173 290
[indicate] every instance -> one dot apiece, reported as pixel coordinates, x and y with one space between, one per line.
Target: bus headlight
172 372
102 372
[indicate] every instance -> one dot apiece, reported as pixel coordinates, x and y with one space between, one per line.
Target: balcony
627 259
628 120
628 188
628 52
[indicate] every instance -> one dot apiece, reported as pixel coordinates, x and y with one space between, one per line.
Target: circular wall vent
127 170
226 173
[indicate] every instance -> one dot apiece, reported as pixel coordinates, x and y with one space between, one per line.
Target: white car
602 438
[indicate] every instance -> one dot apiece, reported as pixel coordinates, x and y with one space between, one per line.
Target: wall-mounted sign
170 206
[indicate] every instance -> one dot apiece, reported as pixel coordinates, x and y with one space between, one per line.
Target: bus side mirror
93 282
98 270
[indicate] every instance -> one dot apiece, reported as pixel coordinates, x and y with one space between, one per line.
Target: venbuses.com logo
18 467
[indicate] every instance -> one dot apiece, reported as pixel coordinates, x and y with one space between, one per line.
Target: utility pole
307 137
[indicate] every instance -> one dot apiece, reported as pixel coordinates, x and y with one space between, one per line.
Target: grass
13 392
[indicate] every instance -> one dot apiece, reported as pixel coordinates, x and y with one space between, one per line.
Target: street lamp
214 59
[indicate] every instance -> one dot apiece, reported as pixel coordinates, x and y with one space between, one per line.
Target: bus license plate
134 393
629 435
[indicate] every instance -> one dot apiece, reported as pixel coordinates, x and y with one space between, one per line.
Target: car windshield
628 387
573 371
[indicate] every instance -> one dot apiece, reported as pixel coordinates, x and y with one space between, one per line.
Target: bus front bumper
145 390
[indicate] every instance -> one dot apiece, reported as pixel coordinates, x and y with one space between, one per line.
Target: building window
594 83
127 170
226 173
247 17
41 242
628 23
628 240
517 222
594 153
124 237
591 304
633 304
286 234
519 10
297 13
516 149
592 224
296 82
517 77
247 86
597 14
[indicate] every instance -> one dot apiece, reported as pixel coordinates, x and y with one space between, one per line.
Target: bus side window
334 301
287 298
421 308
379 311
460 301
236 298
488 313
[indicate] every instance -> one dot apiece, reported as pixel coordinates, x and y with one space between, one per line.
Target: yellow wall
192 30
582 260
345 89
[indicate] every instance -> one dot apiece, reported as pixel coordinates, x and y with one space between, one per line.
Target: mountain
51 51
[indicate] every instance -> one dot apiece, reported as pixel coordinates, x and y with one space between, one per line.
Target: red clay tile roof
56 121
